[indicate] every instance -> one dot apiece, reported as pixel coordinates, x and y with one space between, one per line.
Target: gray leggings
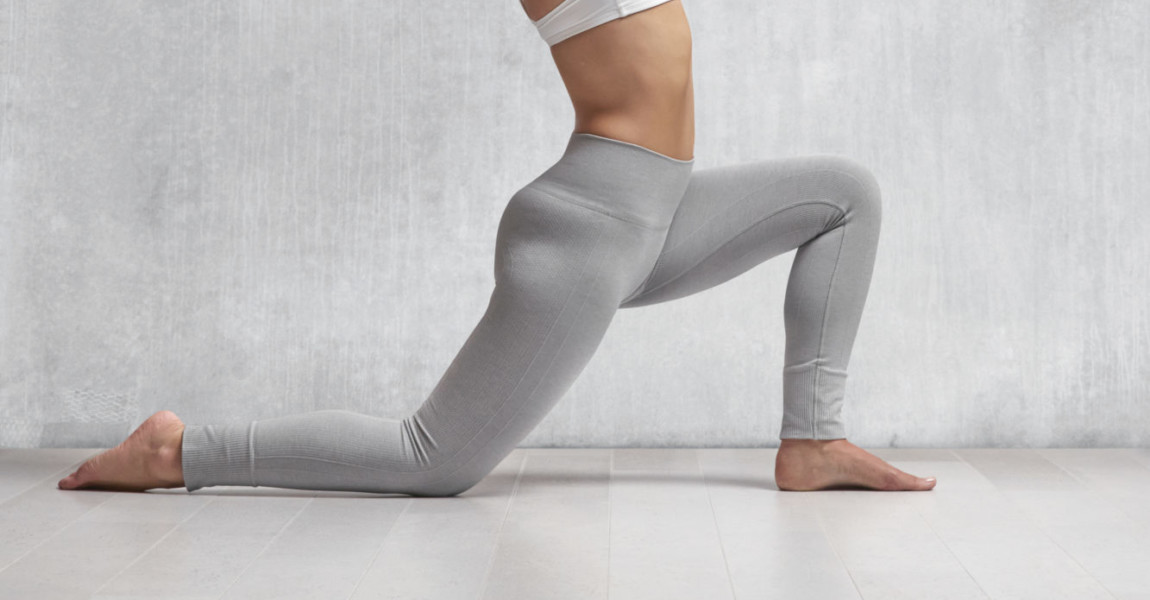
611 225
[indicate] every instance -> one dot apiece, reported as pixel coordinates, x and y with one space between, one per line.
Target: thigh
732 218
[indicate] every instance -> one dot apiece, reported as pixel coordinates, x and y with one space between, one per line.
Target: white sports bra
576 16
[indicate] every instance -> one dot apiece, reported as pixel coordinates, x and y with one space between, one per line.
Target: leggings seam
772 184
639 291
518 410
823 327
728 242
517 383
323 460
252 452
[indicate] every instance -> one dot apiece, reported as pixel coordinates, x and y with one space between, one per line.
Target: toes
894 481
913 483
83 475
73 481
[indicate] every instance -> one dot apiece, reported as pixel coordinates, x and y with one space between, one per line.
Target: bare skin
629 79
807 465
149 458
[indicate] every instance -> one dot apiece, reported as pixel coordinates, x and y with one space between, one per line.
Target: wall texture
237 210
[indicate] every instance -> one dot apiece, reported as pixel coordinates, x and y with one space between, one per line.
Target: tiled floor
599 523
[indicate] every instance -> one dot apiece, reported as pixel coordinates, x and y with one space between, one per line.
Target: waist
647 55
619 179
630 79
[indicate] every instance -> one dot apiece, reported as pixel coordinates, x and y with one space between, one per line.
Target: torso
630 79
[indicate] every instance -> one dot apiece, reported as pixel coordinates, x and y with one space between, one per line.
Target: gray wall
238 210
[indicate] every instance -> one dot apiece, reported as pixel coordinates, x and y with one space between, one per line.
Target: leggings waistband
618 178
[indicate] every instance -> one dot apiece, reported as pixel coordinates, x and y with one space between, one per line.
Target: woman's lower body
611 225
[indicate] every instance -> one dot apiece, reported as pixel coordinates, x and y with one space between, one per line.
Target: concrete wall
238 210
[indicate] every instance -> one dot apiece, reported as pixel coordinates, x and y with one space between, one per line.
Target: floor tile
1018 469
555 540
441 548
323 552
1108 544
664 540
889 549
35 515
592 523
773 541
1009 556
204 554
21 468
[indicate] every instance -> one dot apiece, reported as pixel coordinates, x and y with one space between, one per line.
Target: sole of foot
149 458
806 465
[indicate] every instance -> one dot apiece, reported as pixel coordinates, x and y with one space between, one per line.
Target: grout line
610 504
715 520
1091 489
65 525
830 543
974 468
1089 493
379 549
1033 522
499 532
952 554
71 466
1085 484
251 562
1102 495
153 546
1038 525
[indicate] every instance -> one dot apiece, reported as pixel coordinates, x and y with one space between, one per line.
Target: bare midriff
630 79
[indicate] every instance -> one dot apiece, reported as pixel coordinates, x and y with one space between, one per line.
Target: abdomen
630 78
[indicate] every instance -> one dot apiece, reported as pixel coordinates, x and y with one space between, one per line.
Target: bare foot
807 465
149 458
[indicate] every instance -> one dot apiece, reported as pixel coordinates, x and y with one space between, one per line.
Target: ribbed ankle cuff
812 403
218 455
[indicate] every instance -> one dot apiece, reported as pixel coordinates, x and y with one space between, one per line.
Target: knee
862 195
447 488
435 485
440 472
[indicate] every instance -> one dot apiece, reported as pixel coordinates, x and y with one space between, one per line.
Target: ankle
167 460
